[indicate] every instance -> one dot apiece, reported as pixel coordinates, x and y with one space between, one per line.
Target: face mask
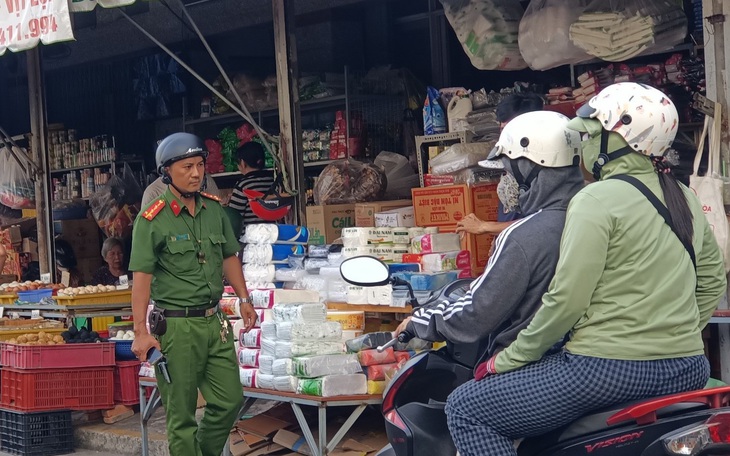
508 191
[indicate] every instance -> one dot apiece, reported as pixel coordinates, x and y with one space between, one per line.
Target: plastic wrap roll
251 339
268 330
266 364
282 366
248 377
248 357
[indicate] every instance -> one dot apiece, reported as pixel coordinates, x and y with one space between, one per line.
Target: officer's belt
191 312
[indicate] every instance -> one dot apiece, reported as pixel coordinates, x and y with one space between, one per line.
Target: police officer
182 246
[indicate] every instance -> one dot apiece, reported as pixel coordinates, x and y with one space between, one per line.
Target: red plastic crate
57 389
126 382
65 356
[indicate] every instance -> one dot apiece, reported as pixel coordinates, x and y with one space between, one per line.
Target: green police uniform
185 255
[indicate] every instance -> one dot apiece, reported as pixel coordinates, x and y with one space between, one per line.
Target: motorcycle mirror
365 271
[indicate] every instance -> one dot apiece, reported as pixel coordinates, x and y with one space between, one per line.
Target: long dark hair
675 200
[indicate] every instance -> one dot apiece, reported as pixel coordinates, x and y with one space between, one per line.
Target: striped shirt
261 181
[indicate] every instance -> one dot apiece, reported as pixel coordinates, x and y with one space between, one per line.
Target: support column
38 143
290 122
717 48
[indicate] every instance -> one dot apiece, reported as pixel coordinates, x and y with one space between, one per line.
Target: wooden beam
38 142
290 122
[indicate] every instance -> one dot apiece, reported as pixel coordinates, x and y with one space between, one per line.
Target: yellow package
376 387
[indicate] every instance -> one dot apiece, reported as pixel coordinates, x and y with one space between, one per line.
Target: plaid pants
486 416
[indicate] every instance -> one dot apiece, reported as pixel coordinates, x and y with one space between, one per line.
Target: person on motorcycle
633 288
541 160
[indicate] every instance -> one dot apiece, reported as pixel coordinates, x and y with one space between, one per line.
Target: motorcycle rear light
692 441
395 419
389 398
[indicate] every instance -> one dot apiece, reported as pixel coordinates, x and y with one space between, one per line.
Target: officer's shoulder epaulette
209 196
153 209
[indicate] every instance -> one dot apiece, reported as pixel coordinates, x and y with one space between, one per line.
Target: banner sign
25 23
82 6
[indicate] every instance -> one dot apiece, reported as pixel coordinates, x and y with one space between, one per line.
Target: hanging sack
708 188
17 190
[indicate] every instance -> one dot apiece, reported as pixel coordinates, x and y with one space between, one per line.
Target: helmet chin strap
604 157
183 194
525 182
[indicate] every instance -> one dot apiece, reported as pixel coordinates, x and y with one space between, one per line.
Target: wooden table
322 447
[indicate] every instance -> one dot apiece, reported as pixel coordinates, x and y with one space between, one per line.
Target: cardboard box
401 217
444 206
31 247
325 223
83 235
365 212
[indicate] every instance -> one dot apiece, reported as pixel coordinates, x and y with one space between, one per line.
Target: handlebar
404 337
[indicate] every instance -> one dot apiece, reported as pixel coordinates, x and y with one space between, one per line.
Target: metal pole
38 138
290 122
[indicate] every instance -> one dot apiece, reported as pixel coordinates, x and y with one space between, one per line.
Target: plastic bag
544 39
399 174
617 30
434 118
487 31
17 190
349 181
116 205
460 156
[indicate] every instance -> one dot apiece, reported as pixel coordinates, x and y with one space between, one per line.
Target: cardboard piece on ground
237 444
267 449
354 445
262 425
292 441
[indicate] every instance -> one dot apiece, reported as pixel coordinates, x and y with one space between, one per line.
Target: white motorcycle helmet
644 116
539 136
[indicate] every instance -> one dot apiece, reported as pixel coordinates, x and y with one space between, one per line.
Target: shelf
96 165
77 168
317 163
85 198
367 308
309 105
678 48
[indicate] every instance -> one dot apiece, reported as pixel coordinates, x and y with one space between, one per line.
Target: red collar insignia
176 208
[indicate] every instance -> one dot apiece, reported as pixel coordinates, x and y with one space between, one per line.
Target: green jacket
184 254
625 286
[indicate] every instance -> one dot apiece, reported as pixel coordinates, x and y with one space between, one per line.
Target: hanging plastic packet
434 119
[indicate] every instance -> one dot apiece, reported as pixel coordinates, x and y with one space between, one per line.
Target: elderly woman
113 253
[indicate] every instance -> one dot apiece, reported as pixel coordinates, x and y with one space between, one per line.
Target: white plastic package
460 156
251 339
257 273
268 330
330 272
487 31
266 364
268 347
544 37
287 349
248 377
283 366
289 274
312 265
300 313
337 290
264 381
318 366
326 330
261 233
286 383
257 254
333 385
